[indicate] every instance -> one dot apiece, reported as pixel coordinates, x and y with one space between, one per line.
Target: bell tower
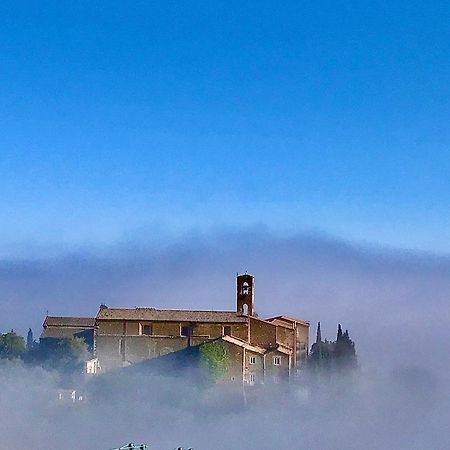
245 285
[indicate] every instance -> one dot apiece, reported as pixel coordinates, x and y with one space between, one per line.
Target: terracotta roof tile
289 319
61 332
170 315
77 322
243 344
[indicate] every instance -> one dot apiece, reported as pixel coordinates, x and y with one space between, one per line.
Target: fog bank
394 303
404 410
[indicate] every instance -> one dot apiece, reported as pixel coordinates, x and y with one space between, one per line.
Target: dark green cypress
318 334
339 333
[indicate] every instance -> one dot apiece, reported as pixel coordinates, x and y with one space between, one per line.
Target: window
252 378
186 330
276 360
147 329
252 360
245 288
227 331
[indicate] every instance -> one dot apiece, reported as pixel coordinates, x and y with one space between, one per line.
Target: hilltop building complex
259 349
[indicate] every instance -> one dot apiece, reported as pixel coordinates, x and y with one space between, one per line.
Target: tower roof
245 274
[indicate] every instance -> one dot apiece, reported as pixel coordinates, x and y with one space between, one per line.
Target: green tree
319 358
328 357
30 340
64 355
11 345
344 354
215 357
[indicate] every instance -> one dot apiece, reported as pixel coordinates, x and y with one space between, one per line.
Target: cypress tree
30 340
318 334
326 356
344 351
339 333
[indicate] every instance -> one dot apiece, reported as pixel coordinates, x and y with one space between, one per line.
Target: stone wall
119 343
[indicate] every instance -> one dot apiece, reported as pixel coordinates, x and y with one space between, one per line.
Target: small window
252 378
227 331
252 360
147 329
186 330
245 288
276 360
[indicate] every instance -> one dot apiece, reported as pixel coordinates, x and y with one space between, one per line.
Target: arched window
245 288
245 309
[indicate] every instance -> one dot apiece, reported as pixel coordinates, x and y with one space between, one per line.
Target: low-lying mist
395 305
405 409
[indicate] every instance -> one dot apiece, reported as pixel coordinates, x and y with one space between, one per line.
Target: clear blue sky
120 118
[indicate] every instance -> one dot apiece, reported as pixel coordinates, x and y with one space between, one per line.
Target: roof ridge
151 308
242 343
183 315
70 317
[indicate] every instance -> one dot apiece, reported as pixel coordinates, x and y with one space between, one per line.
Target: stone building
272 348
56 328
254 365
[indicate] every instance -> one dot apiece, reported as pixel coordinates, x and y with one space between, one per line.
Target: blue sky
122 119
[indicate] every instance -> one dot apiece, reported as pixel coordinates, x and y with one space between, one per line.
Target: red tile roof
170 315
289 319
77 322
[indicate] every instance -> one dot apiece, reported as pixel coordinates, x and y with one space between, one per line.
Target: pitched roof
263 320
243 344
281 349
77 322
170 315
289 319
254 348
61 332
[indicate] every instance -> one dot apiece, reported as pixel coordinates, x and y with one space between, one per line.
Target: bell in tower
245 285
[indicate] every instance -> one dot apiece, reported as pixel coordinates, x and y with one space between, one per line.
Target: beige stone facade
255 365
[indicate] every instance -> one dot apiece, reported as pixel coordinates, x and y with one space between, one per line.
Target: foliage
11 345
65 355
30 341
344 351
215 357
327 357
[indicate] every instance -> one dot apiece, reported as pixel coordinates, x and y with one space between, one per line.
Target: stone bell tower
245 286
